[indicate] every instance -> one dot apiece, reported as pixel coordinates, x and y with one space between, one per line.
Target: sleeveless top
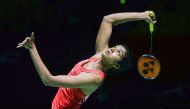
72 98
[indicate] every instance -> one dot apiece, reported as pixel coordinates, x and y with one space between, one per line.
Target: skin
108 57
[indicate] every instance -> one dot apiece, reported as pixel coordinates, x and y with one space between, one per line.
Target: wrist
144 15
33 47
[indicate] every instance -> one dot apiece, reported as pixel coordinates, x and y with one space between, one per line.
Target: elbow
108 19
50 82
47 81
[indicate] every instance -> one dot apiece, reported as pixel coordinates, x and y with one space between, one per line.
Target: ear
116 66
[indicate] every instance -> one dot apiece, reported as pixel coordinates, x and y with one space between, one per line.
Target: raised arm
29 44
84 80
105 30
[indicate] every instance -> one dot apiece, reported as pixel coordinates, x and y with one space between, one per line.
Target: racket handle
151 27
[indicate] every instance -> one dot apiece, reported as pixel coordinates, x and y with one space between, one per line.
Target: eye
111 50
119 52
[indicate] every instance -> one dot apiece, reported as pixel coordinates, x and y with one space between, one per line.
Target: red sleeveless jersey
72 98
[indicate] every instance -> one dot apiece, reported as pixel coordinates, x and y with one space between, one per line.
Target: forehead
122 48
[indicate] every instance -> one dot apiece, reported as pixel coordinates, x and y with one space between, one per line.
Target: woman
87 75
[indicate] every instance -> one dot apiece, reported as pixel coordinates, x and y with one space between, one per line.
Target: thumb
32 36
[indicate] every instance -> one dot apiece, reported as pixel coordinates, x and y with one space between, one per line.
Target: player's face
114 54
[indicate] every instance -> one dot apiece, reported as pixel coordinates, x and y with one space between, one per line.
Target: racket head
148 66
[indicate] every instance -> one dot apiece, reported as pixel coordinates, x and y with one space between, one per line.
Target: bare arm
104 34
43 72
84 80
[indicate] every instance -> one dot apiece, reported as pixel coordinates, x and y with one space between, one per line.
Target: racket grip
151 27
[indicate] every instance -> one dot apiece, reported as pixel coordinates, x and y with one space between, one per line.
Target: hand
28 43
150 17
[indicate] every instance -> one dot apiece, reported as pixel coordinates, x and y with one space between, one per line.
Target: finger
149 20
151 14
26 40
27 45
154 22
32 36
20 43
23 43
19 46
29 41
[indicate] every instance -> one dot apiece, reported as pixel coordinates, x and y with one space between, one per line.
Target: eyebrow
122 54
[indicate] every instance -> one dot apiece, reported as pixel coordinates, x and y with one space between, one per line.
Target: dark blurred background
65 33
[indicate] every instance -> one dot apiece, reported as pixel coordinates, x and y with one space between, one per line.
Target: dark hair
125 64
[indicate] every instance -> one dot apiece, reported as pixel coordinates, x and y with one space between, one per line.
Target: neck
102 66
